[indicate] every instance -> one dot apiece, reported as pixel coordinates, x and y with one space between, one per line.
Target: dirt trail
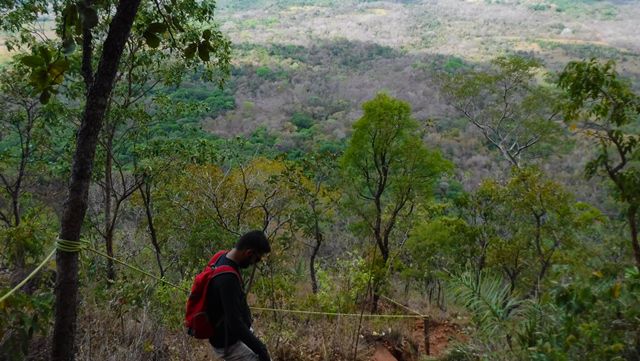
382 354
440 335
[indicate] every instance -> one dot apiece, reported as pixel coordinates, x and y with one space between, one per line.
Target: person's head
251 247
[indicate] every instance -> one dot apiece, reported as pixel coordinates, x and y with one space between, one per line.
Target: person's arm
232 302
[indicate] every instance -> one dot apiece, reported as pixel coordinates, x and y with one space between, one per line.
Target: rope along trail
77 246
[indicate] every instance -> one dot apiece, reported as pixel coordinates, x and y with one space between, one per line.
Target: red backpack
196 320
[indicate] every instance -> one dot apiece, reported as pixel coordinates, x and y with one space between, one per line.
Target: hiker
227 306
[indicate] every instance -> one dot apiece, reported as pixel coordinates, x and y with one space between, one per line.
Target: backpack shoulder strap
216 257
225 269
218 270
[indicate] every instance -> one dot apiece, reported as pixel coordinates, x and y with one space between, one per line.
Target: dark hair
255 240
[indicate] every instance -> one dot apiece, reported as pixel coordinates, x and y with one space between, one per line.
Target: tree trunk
632 215
314 254
15 205
20 251
312 269
19 272
427 332
512 275
535 292
15 200
108 191
76 204
375 300
377 280
508 156
145 192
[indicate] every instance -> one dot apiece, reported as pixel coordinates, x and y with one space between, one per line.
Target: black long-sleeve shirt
229 312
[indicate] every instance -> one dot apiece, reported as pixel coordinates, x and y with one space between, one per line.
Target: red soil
383 354
440 334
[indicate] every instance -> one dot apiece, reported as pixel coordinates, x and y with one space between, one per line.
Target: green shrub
539 7
264 72
302 120
23 316
597 318
215 100
453 64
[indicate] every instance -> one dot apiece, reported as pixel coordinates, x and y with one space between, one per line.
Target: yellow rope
33 273
71 246
77 246
333 313
403 306
138 270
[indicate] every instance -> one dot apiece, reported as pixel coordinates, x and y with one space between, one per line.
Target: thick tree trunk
76 204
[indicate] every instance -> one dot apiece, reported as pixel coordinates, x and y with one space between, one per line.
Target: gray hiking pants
236 352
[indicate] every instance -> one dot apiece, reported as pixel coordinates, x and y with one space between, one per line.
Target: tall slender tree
388 171
311 180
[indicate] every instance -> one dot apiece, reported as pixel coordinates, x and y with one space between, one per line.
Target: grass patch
586 51
596 8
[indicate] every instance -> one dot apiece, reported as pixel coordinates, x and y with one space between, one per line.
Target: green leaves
76 16
45 73
153 33
211 43
153 41
68 46
157 28
589 317
57 69
608 109
88 16
190 50
387 168
515 112
493 307
32 61
70 17
204 48
595 89
386 152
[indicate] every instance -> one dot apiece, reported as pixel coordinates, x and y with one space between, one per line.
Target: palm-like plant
495 311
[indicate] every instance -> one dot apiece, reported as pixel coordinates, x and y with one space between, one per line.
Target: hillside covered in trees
439 179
